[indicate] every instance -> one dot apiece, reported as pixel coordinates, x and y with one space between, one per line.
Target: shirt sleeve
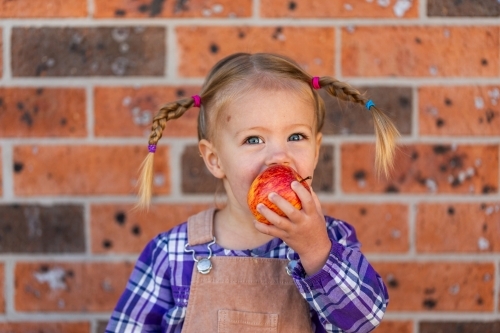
148 295
347 293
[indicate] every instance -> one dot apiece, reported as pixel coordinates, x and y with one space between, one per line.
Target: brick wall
81 79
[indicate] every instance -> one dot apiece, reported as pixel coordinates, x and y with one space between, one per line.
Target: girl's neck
234 230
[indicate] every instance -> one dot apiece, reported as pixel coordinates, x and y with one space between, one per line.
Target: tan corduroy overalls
241 294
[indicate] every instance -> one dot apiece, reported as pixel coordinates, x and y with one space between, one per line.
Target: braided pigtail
170 111
385 131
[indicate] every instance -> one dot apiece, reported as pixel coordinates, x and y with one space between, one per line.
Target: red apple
276 178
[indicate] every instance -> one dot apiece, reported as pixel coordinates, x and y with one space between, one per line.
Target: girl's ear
319 138
211 158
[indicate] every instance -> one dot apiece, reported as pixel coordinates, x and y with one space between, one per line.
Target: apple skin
276 178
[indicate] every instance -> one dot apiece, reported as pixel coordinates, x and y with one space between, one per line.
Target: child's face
260 129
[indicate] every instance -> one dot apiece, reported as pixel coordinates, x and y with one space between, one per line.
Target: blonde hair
225 82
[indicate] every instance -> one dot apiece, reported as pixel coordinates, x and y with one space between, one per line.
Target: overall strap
200 227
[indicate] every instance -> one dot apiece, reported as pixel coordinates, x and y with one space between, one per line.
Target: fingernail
272 196
260 206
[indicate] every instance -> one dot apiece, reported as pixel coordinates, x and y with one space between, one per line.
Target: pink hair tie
197 101
315 83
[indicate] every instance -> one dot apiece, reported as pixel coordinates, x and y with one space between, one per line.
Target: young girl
222 271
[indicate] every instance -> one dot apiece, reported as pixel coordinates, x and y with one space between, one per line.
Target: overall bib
241 294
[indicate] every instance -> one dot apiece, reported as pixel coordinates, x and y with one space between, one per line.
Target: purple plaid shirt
346 295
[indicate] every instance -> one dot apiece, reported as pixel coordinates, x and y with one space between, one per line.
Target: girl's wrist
313 261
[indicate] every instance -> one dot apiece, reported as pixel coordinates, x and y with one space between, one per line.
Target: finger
286 207
270 230
305 197
273 218
316 202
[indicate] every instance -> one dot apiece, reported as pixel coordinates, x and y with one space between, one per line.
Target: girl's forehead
268 107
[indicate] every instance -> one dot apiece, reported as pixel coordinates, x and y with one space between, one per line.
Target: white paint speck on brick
217 8
479 102
483 244
54 277
384 3
401 7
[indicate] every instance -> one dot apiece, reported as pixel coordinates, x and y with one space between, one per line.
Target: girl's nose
277 155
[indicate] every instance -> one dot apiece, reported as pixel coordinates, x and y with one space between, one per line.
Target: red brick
45 327
423 168
438 286
343 8
1 53
392 326
463 8
128 111
468 326
119 229
2 288
323 174
46 8
458 227
42 112
457 110
85 170
201 47
31 228
192 8
69 287
1 172
347 118
379 227
421 51
88 51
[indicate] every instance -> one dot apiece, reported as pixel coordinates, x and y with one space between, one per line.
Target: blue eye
253 140
296 137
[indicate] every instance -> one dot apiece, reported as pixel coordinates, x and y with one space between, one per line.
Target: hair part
240 72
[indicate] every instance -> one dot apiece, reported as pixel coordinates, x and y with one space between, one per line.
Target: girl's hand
303 230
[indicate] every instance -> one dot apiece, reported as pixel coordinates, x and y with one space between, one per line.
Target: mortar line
9 283
79 81
423 10
54 317
415 114
7 174
255 10
89 110
412 211
256 21
424 258
400 316
93 325
6 36
337 166
373 198
336 139
442 316
496 287
171 60
90 9
87 228
123 141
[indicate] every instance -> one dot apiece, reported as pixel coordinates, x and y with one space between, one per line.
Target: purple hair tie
315 83
152 148
197 101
